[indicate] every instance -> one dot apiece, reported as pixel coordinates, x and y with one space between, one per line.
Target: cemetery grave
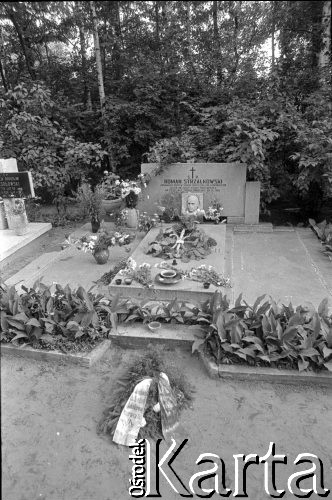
250 258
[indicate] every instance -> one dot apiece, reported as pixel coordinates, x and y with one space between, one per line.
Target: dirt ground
51 449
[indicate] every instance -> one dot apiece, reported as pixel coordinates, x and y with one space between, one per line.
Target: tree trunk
273 36
316 17
216 40
324 57
26 48
118 70
2 62
98 59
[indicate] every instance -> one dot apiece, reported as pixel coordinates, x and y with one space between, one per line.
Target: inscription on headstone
16 184
218 182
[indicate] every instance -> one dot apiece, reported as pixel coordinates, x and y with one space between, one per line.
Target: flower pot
111 205
101 256
95 225
206 284
132 218
118 281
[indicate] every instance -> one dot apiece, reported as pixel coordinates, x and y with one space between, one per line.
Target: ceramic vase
132 218
101 256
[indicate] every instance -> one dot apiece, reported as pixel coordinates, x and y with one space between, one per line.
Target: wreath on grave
184 241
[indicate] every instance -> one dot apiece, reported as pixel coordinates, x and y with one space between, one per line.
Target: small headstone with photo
14 187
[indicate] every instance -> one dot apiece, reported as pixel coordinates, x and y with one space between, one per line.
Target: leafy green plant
46 315
271 334
42 144
323 231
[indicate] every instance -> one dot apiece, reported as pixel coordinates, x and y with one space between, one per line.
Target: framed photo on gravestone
191 202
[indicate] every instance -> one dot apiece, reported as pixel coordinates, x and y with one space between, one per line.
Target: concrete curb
274 375
82 359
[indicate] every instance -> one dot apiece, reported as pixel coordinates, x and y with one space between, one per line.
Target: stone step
138 336
254 228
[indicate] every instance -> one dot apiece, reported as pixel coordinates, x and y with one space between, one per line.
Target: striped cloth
168 406
131 418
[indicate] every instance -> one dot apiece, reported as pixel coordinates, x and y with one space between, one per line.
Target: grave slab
10 242
288 266
185 289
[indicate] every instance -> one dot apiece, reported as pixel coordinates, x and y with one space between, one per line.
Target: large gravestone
221 182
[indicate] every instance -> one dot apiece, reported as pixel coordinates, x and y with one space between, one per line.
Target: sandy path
51 449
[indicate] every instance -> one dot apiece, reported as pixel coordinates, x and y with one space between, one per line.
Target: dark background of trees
180 81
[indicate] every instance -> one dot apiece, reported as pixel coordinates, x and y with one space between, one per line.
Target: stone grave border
84 359
174 335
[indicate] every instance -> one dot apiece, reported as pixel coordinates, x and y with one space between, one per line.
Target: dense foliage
173 81
266 333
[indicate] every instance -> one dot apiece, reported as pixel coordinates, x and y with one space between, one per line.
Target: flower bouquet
214 212
99 244
207 274
141 274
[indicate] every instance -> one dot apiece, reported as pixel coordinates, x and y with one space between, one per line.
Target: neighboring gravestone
218 182
14 185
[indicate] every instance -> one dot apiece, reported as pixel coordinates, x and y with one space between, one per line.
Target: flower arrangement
214 212
182 241
100 241
18 208
111 185
146 222
203 273
141 274
207 274
131 196
115 187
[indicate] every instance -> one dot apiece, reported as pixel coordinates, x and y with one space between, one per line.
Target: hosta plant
271 334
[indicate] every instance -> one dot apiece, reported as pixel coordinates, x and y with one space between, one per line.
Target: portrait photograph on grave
192 203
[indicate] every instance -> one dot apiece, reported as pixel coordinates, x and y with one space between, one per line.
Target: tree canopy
89 86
